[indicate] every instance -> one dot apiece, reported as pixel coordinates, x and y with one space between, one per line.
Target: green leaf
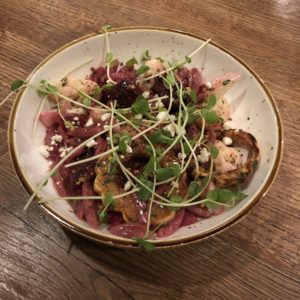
149 168
108 57
149 150
161 137
17 84
106 27
46 88
68 124
193 96
108 199
220 196
211 102
188 59
171 79
194 188
97 91
168 172
146 56
140 106
144 244
160 59
123 142
102 216
132 61
175 199
175 168
210 116
86 101
143 193
214 152
193 116
141 70
107 86
186 148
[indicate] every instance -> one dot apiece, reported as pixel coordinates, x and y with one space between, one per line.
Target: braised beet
125 93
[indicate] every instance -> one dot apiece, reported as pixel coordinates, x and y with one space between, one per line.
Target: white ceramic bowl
254 111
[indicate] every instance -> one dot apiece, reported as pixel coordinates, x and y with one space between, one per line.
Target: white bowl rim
127 243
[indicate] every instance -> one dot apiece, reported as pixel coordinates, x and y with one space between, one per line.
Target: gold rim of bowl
127 243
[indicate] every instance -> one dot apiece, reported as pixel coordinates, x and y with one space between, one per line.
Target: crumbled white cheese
127 186
204 155
50 163
175 184
208 85
76 118
105 117
91 143
89 122
146 94
139 116
162 116
227 141
56 138
64 151
172 117
227 125
159 104
171 128
181 155
129 149
76 110
44 150
98 124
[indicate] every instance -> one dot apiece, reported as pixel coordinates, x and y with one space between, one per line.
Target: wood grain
255 259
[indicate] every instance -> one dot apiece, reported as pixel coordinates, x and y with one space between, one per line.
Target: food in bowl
144 147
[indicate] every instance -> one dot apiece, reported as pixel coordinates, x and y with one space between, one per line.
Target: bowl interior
253 111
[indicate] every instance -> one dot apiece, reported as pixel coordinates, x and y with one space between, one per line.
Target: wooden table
257 258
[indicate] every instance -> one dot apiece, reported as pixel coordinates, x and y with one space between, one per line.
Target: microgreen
193 96
144 244
102 216
143 193
140 106
97 91
211 102
46 88
86 101
150 152
188 59
172 170
161 137
175 199
170 79
150 166
210 116
108 199
108 57
218 197
106 27
17 84
214 152
68 124
141 70
124 141
146 56
132 61
186 147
